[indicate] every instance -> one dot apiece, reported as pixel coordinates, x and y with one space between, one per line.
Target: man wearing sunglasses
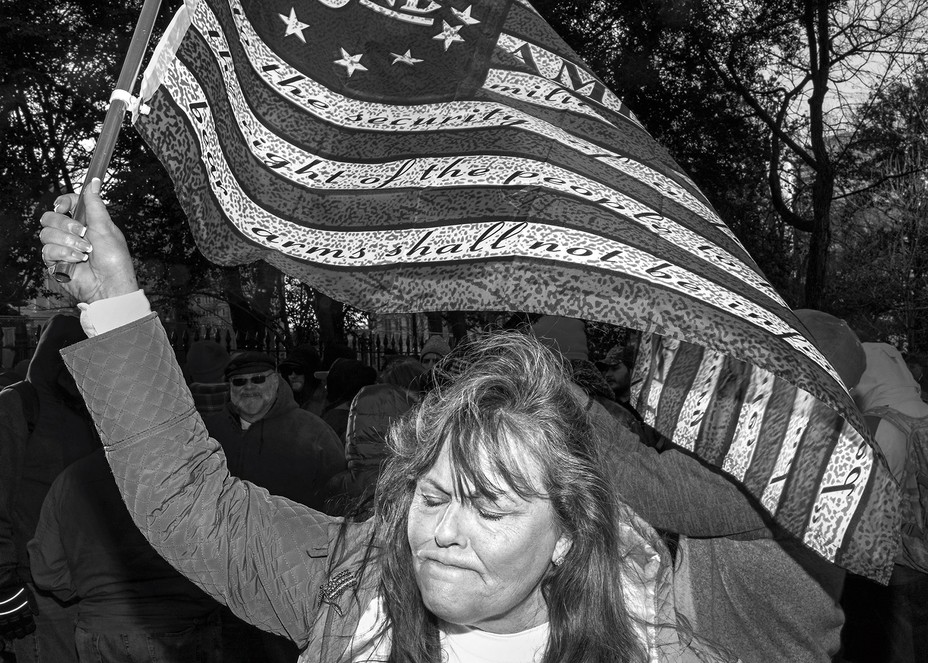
269 441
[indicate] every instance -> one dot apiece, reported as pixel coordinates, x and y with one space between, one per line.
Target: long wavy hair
503 398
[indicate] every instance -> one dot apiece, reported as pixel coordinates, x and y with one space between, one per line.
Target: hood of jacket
888 381
47 372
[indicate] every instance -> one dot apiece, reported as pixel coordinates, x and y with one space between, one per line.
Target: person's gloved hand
17 608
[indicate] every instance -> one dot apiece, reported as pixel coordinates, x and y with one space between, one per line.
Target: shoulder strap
30 401
903 422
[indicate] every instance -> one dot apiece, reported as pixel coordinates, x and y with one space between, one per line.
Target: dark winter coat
63 433
290 451
373 411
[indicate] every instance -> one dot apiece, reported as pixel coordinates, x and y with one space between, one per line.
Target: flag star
351 62
405 58
465 16
449 34
294 25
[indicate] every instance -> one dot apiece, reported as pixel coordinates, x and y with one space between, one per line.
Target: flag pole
119 102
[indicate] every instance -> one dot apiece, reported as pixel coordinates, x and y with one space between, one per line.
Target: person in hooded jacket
890 623
742 581
269 441
343 381
374 409
887 381
299 370
131 604
15 374
29 463
206 361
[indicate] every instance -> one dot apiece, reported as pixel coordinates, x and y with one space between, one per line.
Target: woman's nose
448 529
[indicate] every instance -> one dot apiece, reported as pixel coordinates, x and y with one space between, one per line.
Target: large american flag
427 155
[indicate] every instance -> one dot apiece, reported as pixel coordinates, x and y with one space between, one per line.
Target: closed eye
433 501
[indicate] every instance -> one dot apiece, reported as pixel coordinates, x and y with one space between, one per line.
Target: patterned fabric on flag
426 155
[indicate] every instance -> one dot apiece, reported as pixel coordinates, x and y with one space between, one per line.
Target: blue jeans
200 643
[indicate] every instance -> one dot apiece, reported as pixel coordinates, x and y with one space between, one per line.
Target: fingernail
82 231
95 185
86 247
60 207
86 257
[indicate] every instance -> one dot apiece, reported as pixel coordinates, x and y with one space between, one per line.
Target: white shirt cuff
106 314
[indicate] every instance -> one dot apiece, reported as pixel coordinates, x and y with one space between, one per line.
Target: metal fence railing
21 335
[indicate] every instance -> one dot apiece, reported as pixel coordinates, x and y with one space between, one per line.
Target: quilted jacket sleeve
264 556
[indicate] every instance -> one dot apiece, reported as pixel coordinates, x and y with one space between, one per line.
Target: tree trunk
330 315
458 322
819 239
823 186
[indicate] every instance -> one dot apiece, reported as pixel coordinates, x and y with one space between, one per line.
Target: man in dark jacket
269 441
131 604
29 462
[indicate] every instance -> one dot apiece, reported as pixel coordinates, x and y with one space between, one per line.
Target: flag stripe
772 434
817 444
688 429
800 415
554 69
680 369
748 430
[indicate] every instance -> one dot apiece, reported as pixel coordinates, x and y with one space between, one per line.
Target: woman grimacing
495 536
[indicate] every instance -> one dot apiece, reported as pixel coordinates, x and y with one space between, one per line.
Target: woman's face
479 562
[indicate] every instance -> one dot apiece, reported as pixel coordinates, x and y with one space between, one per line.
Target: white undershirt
460 644
107 314
471 645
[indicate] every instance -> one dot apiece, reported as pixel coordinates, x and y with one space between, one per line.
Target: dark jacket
373 411
63 433
86 547
290 451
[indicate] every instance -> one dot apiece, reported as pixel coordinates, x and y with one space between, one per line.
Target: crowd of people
92 587
501 501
